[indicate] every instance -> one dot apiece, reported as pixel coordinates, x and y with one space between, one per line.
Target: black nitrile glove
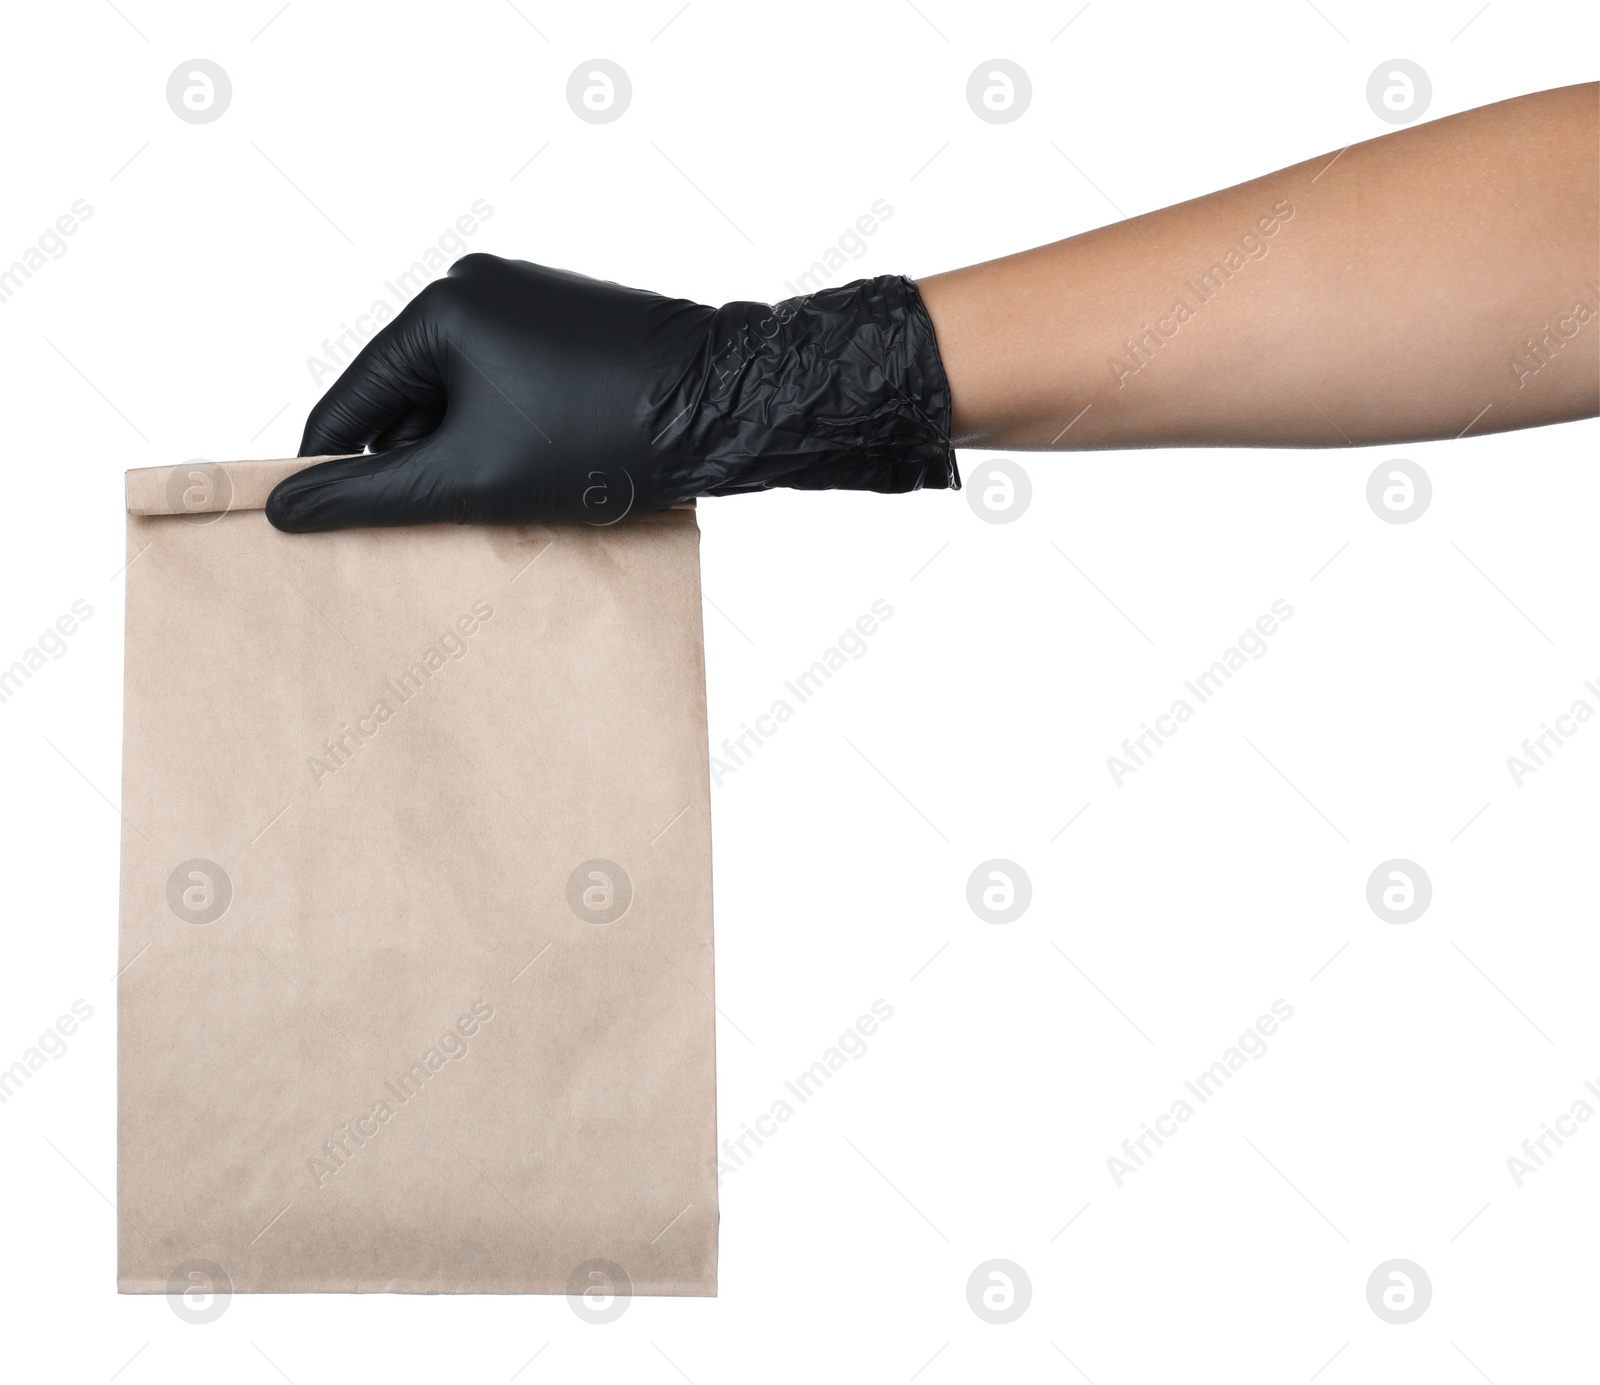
508 393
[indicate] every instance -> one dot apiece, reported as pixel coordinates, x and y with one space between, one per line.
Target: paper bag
416 958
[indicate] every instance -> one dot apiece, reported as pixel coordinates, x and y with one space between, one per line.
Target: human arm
1436 280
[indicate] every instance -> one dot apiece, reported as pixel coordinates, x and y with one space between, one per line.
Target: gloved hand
507 393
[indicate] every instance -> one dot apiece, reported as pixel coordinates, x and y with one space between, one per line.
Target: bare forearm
1435 280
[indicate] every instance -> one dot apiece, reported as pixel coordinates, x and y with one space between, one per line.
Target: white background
1171 913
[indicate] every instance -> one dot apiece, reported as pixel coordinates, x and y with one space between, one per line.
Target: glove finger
398 375
415 426
408 485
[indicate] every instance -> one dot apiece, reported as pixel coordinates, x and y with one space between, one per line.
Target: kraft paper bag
416 950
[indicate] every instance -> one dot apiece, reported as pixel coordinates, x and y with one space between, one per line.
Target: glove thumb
380 489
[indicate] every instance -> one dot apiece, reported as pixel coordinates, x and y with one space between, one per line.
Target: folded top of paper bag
202 487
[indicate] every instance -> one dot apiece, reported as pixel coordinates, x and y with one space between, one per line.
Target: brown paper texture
416 939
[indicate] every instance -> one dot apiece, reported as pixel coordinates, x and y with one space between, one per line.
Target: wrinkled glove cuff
837 390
